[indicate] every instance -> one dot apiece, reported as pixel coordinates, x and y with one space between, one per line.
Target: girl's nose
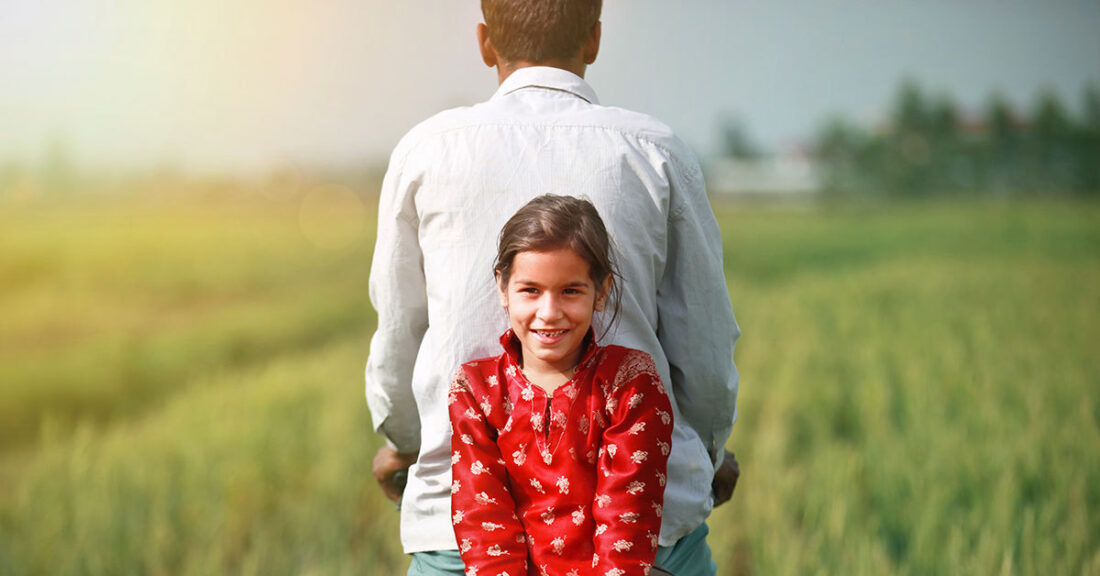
549 308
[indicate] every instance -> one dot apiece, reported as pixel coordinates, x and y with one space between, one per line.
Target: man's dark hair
539 30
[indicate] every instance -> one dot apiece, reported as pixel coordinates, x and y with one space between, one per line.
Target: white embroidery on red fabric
484 499
588 431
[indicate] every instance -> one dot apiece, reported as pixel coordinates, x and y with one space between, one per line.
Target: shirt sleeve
631 471
696 326
490 536
398 294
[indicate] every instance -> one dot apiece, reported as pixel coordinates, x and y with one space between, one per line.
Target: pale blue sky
249 84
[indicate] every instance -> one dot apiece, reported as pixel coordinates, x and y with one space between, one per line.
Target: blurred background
908 198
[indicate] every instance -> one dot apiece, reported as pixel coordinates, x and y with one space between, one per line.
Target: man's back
452 183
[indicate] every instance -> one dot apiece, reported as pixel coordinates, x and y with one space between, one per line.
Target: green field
181 387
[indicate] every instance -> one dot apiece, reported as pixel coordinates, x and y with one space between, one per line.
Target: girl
559 444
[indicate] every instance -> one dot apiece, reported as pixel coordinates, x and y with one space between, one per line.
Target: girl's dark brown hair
550 222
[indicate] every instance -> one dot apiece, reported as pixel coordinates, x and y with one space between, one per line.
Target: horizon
241 87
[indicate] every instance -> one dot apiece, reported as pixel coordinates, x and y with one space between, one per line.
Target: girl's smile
550 299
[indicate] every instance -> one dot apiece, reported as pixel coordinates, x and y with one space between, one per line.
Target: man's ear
488 52
592 45
502 291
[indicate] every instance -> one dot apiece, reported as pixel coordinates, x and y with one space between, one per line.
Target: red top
568 483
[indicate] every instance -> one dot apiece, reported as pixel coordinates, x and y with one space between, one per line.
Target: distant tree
1050 158
1092 108
911 110
1003 152
926 148
736 141
1087 147
952 162
908 149
840 148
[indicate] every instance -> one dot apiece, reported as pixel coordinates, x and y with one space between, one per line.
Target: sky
246 85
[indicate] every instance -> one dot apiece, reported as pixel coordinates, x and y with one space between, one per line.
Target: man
455 179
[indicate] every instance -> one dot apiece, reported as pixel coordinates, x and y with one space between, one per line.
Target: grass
920 390
113 305
181 389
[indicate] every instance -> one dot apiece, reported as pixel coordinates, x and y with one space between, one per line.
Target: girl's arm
630 481
490 536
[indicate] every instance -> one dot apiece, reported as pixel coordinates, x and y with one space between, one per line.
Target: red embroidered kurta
569 483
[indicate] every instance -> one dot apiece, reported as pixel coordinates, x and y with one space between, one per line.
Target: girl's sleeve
489 534
630 482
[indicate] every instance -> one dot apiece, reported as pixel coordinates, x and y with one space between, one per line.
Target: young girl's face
550 299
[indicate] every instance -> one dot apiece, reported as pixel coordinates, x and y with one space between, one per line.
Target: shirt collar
549 78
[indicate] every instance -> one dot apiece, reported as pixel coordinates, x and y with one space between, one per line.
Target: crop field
181 387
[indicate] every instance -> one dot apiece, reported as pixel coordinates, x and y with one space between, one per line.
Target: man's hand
387 463
725 479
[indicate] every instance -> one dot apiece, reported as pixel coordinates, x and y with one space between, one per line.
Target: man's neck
576 66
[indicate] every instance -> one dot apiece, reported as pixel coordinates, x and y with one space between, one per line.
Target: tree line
928 147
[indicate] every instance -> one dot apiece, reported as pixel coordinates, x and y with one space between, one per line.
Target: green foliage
919 391
919 396
928 147
264 470
113 305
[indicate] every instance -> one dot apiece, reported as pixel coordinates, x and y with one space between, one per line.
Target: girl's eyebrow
533 283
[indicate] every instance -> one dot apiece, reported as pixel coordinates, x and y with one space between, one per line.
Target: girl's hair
550 222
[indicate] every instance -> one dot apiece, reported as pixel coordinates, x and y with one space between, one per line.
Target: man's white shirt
451 184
